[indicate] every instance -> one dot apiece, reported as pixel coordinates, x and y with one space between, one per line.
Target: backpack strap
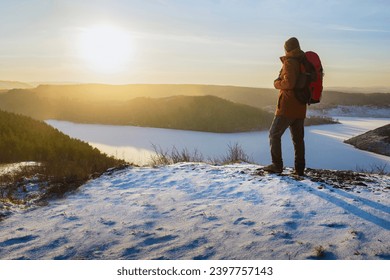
309 69
301 90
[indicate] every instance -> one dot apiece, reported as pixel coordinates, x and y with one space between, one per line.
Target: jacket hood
294 53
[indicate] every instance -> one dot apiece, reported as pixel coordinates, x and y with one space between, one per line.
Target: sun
105 48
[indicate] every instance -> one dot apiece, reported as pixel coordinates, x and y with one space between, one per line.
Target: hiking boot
272 168
299 172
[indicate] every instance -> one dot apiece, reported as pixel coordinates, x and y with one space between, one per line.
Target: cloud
354 29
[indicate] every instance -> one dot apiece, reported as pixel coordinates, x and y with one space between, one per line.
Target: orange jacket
288 104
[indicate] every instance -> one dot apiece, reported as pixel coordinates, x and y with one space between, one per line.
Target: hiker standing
290 113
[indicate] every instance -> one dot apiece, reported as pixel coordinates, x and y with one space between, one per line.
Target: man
289 112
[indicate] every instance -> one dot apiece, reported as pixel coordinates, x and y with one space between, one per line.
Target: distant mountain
256 97
377 140
335 98
13 84
360 89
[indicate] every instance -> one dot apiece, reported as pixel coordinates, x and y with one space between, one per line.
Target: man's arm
289 77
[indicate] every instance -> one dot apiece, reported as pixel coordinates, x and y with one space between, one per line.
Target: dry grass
234 154
319 252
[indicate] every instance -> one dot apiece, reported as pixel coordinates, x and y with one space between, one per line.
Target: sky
221 42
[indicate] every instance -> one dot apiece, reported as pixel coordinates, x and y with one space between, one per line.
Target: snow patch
15 167
351 111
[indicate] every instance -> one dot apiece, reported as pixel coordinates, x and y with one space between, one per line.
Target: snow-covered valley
324 143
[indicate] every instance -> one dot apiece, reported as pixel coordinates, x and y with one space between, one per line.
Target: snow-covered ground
201 211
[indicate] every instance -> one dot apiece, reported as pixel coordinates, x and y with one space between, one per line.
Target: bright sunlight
105 48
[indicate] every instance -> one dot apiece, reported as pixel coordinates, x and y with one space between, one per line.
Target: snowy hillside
201 211
351 111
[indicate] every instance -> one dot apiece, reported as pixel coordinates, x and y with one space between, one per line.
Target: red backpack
309 85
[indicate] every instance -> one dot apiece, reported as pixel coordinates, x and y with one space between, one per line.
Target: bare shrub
234 154
160 157
15 181
166 157
319 252
185 156
380 169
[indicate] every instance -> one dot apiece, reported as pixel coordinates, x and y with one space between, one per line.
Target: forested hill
25 139
200 113
63 162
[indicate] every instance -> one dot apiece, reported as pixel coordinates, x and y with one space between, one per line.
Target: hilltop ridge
7 85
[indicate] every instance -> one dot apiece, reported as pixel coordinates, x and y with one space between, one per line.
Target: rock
377 141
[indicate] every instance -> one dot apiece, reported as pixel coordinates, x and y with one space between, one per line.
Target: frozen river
324 144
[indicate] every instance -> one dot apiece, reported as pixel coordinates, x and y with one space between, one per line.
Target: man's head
291 44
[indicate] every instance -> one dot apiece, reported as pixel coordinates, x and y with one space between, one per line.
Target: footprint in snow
130 252
291 224
207 255
192 245
107 222
334 225
49 246
157 240
281 235
243 221
18 240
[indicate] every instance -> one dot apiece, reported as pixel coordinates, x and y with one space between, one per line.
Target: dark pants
278 127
